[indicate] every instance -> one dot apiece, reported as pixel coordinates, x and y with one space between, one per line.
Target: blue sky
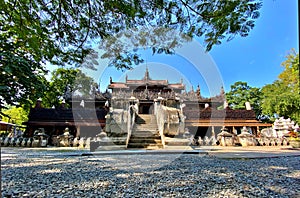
255 59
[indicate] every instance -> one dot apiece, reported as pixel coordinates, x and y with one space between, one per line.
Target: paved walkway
216 151
253 152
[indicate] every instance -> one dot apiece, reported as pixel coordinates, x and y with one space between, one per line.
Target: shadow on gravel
145 175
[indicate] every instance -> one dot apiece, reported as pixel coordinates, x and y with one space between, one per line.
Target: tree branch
192 9
200 14
88 30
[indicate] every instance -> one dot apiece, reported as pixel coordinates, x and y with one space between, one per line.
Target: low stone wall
235 140
82 142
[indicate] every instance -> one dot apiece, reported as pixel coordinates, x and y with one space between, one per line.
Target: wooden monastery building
203 116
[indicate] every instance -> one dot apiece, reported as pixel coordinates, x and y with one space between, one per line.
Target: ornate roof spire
222 92
146 77
198 91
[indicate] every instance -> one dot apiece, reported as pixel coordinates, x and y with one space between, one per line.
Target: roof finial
222 92
146 78
198 91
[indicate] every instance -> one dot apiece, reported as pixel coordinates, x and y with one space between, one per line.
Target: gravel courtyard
26 174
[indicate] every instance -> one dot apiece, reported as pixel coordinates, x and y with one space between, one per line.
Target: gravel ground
30 175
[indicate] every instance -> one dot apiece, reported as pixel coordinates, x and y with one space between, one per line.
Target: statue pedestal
225 138
65 140
40 140
246 138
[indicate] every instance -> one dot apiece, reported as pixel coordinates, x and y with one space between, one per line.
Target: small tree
65 83
282 97
240 93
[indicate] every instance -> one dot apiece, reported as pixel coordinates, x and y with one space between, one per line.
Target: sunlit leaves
14 114
290 75
282 97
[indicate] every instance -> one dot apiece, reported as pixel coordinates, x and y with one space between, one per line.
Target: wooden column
258 131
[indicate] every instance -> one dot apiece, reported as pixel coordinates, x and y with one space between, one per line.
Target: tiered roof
146 80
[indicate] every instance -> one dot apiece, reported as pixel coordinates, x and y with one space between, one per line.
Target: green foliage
240 93
21 51
62 33
168 24
66 83
290 76
16 115
282 97
22 79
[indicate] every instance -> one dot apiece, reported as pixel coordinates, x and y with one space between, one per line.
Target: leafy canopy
62 32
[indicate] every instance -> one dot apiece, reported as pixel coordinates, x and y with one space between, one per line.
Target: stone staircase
145 133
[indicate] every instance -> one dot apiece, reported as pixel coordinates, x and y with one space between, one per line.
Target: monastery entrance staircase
145 133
